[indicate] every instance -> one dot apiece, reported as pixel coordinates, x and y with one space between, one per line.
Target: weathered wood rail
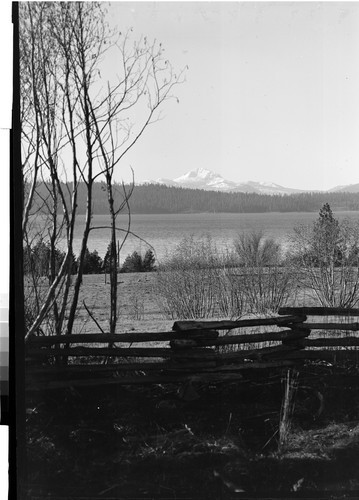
193 350
201 351
330 339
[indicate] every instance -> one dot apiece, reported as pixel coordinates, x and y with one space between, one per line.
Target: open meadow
138 305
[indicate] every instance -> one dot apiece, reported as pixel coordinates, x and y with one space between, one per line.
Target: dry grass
138 309
324 443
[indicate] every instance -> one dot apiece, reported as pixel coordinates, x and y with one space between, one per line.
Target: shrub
230 293
254 250
198 282
266 280
38 277
193 282
34 293
37 259
266 289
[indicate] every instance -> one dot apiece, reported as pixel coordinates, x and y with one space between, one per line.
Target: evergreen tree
327 244
148 261
107 259
135 263
37 259
326 259
132 263
326 215
92 262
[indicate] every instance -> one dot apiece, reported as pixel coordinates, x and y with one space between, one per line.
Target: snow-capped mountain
266 188
202 178
205 179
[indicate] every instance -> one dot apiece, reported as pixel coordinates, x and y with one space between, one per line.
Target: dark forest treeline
158 199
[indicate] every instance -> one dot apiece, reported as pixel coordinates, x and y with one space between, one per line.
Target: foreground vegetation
211 441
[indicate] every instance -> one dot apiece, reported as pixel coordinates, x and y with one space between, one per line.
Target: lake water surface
165 231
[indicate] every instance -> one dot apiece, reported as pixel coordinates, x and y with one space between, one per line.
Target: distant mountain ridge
152 198
208 180
349 188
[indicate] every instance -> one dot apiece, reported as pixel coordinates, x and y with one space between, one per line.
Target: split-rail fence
202 351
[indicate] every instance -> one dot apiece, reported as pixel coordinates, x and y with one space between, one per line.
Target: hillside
157 198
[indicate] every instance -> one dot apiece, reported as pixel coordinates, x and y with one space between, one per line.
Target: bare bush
267 288
254 250
193 282
266 279
231 294
196 281
137 308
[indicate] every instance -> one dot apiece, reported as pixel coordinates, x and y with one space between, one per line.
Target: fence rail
319 311
192 350
329 340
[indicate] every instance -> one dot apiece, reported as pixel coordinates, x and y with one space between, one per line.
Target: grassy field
138 306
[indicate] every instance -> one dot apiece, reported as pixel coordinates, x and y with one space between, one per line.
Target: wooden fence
202 351
331 338
194 350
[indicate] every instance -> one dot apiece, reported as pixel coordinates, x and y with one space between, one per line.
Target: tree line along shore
157 198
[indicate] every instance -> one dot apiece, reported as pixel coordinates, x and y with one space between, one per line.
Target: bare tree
83 121
42 139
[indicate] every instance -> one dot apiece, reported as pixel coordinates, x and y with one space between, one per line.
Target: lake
165 231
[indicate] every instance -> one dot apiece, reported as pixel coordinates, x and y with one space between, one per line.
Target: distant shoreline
165 231
161 199
206 212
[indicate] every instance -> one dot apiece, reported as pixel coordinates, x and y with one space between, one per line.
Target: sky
271 91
